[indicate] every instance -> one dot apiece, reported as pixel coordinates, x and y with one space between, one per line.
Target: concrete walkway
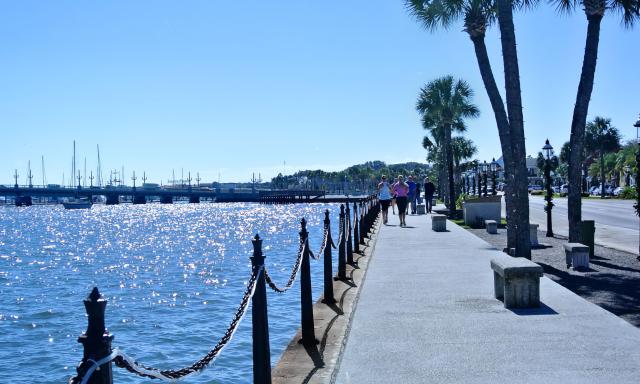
426 314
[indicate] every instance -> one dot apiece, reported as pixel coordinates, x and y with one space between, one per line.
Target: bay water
173 276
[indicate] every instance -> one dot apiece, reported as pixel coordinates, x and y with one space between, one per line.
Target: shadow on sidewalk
618 294
543 310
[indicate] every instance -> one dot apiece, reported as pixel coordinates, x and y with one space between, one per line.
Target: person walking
429 189
393 197
411 196
385 196
401 190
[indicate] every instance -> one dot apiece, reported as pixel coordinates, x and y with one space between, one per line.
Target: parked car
535 187
595 191
616 191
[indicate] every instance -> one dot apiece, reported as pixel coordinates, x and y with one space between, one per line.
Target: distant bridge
23 195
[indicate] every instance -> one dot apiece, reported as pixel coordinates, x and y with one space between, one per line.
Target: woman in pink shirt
400 191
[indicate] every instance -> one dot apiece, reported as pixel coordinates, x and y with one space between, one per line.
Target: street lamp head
494 165
484 166
548 150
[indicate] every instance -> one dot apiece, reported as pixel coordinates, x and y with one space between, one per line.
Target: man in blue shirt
412 195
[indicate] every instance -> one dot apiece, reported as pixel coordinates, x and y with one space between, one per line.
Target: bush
628 193
536 192
461 198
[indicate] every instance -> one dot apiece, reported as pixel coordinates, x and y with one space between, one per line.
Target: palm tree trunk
449 162
514 109
602 174
580 110
503 131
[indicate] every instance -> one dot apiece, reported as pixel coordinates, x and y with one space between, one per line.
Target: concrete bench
576 255
439 223
420 209
516 281
533 235
491 226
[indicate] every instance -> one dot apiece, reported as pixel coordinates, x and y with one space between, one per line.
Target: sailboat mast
73 163
99 170
44 175
84 179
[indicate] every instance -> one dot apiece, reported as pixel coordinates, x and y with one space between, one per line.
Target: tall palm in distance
462 148
478 16
444 103
594 11
601 137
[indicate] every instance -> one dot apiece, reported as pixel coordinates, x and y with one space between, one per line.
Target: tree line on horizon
361 177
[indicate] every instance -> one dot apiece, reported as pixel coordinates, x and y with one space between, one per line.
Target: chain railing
123 361
96 368
292 277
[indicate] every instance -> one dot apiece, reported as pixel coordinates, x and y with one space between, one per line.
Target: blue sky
228 89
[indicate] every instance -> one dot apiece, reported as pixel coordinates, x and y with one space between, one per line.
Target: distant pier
26 195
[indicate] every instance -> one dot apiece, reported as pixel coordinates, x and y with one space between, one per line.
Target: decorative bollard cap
95 306
257 258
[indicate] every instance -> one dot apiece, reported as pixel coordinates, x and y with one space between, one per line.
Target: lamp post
485 168
547 151
637 206
467 179
494 168
475 177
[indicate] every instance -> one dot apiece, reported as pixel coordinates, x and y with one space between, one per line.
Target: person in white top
384 195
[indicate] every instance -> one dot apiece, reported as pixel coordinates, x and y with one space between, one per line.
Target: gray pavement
617 225
426 314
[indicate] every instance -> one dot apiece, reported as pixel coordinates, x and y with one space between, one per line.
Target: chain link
325 240
123 361
294 272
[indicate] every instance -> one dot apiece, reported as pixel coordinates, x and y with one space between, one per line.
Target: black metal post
549 196
356 229
484 182
306 300
260 320
493 181
328 263
638 181
96 342
362 224
342 247
349 236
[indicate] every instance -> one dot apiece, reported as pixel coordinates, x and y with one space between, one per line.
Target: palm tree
478 16
594 11
601 137
444 104
463 149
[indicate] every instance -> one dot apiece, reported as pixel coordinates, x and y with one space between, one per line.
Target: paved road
617 225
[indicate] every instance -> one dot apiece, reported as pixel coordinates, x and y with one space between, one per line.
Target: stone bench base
420 209
491 226
533 235
439 223
576 255
516 281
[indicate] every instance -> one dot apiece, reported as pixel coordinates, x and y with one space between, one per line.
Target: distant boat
81 203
